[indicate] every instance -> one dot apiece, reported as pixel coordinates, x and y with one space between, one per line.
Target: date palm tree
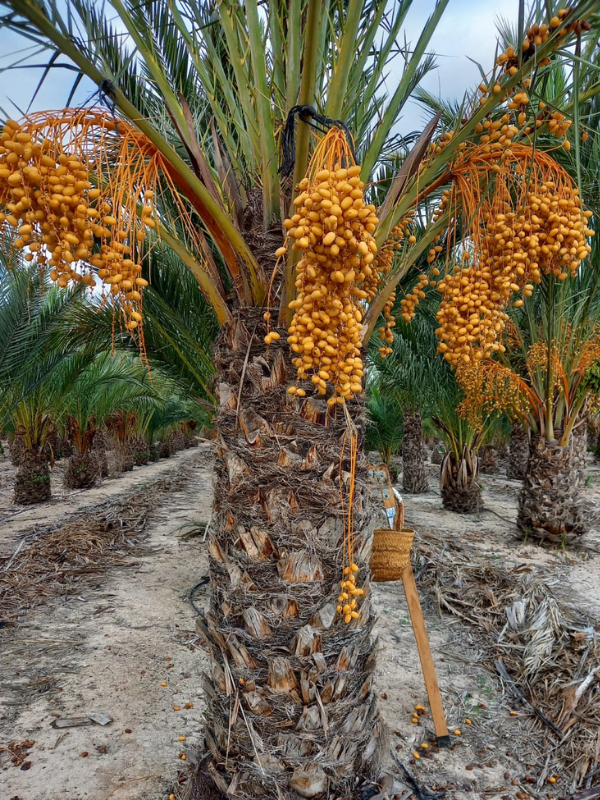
410 376
415 377
35 374
108 383
198 95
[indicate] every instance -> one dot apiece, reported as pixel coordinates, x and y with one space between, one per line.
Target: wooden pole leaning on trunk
394 510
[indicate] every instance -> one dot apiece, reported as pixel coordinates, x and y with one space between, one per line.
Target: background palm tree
205 89
384 429
108 383
35 375
415 376
410 375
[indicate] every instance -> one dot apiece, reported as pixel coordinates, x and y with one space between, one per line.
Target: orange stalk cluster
527 224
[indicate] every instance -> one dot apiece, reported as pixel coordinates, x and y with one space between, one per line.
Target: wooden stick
427 665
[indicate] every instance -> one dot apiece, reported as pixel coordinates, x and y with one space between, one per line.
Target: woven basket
391 553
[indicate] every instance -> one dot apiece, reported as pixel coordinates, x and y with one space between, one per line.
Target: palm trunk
123 456
17 450
81 471
99 451
140 450
167 446
459 483
65 449
414 475
518 449
190 437
290 705
32 481
437 452
179 440
579 440
487 460
548 502
591 437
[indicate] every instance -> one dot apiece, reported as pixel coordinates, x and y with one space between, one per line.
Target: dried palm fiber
459 482
549 499
579 446
62 449
549 647
437 452
487 459
518 448
290 702
16 447
167 446
414 474
99 446
32 481
56 562
123 455
82 470
140 451
122 430
178 439
78 190
592 435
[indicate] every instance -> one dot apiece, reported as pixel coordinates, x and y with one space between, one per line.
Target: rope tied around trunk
309 116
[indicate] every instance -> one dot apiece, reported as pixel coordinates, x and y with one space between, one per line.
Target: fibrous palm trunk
414 475
99 451
459 482
190 439
518 452
81 471
167 446
123 456
579 440
487 460
179 440
140 451
548 502
290 705
17 449
64 448
32 481
437 452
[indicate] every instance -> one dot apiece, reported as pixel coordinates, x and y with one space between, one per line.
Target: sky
467 29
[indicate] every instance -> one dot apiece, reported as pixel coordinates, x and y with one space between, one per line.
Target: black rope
309 116
192 594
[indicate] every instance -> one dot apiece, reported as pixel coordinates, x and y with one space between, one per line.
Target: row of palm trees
414 385
62 398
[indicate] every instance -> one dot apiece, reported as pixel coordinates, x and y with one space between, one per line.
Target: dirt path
108 651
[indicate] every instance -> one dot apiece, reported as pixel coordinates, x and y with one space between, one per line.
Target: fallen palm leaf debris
60 561
545 649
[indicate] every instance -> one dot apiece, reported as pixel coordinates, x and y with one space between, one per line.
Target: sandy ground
110 650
